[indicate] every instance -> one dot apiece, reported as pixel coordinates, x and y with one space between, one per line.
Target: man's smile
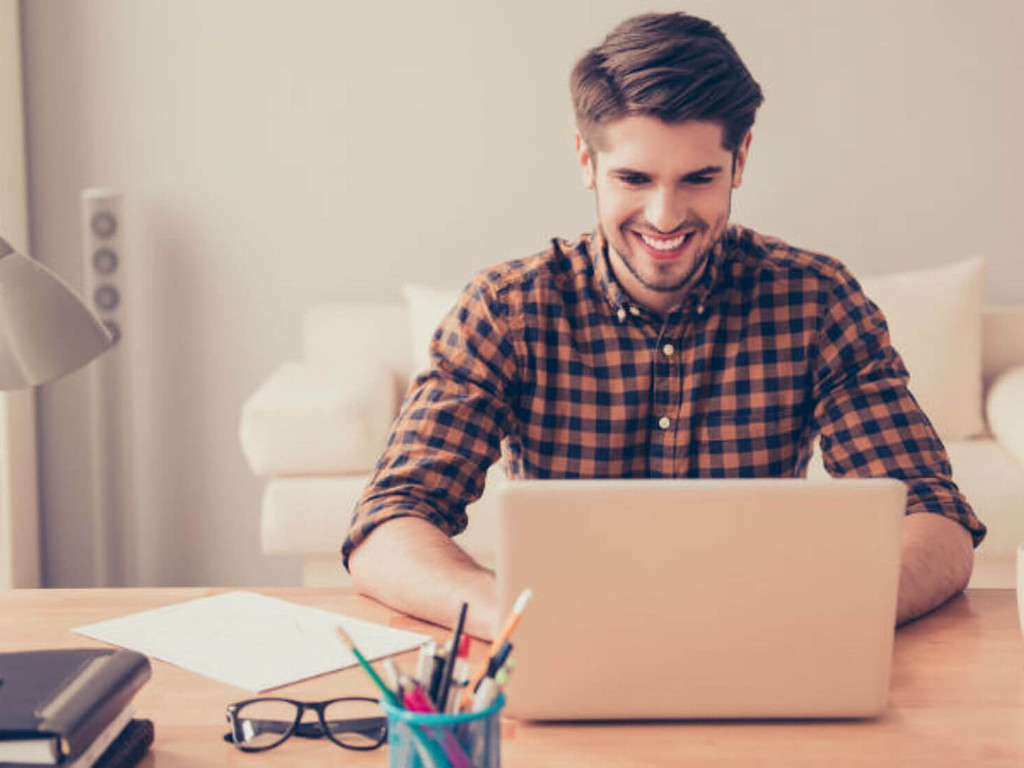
664 248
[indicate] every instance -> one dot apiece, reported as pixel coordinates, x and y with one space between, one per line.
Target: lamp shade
45 329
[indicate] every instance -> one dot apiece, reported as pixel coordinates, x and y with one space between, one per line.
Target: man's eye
633 180
700 180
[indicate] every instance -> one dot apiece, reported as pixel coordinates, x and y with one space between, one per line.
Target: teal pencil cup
418 740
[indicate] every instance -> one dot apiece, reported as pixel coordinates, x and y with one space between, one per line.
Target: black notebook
53 704
129 747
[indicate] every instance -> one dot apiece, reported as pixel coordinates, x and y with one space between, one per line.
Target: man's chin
668 278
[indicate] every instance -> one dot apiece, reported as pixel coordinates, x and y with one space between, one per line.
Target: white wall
274 154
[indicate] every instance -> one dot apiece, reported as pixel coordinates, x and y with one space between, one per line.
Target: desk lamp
45 329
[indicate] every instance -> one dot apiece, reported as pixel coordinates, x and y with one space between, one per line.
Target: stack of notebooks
72 708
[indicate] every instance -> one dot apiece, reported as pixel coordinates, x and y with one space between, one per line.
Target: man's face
663 196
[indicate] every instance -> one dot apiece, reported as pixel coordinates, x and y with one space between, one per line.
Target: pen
449 662
407 684
425 663
510 625
498 660
436 665
460 676
485 695
391 675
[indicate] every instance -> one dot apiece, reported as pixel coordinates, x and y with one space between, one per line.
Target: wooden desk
957 696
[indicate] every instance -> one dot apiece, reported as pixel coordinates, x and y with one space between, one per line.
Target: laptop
699 599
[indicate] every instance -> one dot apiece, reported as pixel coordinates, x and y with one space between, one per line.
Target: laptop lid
701 598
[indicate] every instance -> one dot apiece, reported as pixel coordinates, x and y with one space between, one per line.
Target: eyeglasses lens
356 724
264 723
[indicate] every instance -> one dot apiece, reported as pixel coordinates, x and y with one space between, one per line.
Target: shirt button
634 311
669 350
664 422
621 314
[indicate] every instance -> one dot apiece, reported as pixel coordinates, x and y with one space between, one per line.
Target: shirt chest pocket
748 442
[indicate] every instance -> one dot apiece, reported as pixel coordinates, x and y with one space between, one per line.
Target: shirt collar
620 301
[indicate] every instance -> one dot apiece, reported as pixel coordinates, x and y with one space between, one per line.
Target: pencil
434 750
506 631
387 692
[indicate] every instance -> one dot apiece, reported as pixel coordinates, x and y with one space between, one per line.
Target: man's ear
740 161
586 164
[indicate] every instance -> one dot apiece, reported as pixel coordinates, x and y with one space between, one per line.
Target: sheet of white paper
250 640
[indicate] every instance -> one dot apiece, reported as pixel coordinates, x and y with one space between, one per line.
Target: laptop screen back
701 598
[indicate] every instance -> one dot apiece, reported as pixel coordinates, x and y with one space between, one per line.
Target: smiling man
663 198
668 343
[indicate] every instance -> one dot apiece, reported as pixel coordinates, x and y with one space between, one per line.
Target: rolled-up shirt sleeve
869 422
449 429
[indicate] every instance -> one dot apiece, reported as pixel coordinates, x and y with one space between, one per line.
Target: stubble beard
663 287
696 267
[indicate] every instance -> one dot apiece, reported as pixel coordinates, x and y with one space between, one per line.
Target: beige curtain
19 501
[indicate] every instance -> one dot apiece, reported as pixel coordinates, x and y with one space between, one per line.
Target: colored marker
416 700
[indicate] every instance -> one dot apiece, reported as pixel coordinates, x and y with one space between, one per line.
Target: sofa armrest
302 421
1004 407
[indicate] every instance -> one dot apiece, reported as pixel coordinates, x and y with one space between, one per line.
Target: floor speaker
110 401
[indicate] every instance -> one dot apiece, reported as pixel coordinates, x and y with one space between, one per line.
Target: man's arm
448 433
412 566
871 426
937 560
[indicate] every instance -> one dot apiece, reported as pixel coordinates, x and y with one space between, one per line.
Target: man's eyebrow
708 170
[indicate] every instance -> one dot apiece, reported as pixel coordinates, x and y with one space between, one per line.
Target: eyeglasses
261 724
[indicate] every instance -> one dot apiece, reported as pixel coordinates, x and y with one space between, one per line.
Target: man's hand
412 566
937 561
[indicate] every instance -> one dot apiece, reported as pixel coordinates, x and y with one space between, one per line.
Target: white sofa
317 424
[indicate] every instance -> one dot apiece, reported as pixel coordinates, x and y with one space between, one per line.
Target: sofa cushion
1005 411
310 515
992 481
427 307
1002 341
934 318
301 421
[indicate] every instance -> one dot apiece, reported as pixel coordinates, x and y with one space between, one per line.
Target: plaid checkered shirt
548 361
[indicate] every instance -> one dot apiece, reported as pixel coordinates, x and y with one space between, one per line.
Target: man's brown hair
671 66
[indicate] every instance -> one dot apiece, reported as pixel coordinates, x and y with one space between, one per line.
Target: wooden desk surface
957 696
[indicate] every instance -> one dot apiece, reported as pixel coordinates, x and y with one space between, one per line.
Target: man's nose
665 210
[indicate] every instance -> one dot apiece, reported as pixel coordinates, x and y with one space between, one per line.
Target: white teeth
664 245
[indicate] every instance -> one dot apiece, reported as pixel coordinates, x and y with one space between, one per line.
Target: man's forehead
643 139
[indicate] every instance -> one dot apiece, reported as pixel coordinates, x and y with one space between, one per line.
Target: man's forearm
937 561
415 568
